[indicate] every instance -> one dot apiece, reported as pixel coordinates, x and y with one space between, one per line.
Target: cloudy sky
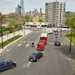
7 6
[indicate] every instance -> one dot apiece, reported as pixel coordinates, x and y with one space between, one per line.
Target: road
53 62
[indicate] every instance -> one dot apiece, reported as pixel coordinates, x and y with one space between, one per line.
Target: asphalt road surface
52 63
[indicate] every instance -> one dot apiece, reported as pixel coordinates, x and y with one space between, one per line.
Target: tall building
22 7
18 10
55 13
40 12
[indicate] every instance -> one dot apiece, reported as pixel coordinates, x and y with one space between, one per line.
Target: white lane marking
7 50
27 65
19 45
62 44
27 45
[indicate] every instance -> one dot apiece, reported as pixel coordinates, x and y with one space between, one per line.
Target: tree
70 22
27 18
12 25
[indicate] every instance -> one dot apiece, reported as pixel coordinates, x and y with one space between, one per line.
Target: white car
49 30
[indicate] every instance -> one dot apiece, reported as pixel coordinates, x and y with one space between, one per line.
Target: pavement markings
7 50
19 45
27 65
62 44
27 45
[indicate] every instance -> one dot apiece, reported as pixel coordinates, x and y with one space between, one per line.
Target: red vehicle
44 39
40 46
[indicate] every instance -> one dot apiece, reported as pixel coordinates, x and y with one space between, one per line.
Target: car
57 43
49 30
35 57
6 64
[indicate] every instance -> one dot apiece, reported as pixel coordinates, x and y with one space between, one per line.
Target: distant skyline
7 6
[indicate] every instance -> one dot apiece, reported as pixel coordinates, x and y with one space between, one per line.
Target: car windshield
2 61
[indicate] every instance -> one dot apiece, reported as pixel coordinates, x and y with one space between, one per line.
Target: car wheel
36 60
13 65
31 60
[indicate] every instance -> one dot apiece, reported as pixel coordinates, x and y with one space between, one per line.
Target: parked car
6 64
35 57
49 30
57 43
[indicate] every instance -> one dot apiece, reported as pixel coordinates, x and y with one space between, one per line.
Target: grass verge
10 40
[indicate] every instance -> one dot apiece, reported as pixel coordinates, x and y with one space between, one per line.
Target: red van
40 46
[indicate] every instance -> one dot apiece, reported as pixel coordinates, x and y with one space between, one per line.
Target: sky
7 6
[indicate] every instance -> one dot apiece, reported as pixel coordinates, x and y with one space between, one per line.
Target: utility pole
70 42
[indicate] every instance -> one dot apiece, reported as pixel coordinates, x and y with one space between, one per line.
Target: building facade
18 10
55 12
22 7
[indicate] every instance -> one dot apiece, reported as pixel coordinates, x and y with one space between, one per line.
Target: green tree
70 22
12 25
27 18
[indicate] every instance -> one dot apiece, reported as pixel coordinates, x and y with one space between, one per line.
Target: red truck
44 38
42 42
40 46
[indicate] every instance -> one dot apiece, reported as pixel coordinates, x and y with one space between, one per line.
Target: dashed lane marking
7 50
27 65
19 45
27 45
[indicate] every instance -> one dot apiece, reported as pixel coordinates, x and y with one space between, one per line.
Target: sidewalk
20 32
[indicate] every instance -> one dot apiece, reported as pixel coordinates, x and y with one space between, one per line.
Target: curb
2 50
13 42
